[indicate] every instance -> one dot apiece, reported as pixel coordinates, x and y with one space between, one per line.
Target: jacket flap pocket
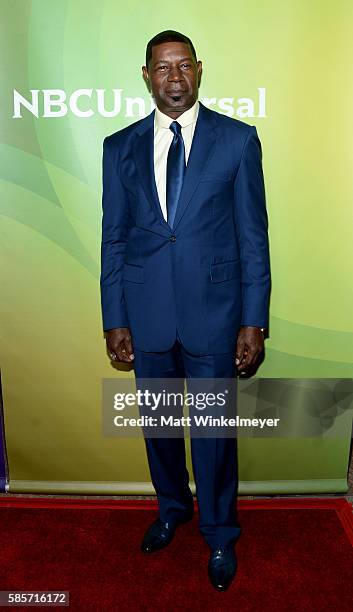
225 270
133 273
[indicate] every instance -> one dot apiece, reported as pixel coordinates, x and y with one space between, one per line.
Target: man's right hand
119 344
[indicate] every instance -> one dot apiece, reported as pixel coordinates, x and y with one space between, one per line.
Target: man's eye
186 65
162 67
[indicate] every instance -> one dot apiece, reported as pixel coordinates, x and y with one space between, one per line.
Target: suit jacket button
172 238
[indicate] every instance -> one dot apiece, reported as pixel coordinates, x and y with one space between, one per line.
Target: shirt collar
186 118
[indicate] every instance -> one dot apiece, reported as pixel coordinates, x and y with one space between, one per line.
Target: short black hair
167 36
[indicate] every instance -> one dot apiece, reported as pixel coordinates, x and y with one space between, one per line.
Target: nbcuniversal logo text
85 103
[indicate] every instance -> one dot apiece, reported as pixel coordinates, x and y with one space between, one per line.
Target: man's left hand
250 348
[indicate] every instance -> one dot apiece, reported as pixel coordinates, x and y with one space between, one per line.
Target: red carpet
293 554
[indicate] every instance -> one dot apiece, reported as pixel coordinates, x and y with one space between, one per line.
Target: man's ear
199 72
146 77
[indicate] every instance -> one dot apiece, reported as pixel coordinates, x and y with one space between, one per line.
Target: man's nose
175 74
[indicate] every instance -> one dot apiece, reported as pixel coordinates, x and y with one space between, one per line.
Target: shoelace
217 554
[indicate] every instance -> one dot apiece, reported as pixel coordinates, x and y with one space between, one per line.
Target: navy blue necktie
175 171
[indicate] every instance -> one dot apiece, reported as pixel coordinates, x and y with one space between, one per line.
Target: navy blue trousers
214 460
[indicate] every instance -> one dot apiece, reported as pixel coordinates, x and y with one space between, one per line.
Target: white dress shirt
163 137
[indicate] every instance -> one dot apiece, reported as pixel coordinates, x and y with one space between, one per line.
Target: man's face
173 76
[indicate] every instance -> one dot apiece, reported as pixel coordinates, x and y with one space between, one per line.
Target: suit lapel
143 150
201 148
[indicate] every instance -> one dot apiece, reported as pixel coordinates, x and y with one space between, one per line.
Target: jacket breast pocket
221 175
133 273
225 270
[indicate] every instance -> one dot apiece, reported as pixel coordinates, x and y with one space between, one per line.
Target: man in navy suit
185 277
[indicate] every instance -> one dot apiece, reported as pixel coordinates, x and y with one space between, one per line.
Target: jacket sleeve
252 230
116 223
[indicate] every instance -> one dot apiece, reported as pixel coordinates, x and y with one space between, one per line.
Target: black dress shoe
222 567
160 534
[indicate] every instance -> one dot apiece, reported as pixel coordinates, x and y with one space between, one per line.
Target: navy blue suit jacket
208 275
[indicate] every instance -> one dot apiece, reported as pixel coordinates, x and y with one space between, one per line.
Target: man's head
172 72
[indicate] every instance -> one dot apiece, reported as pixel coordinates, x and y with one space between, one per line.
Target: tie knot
176 128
